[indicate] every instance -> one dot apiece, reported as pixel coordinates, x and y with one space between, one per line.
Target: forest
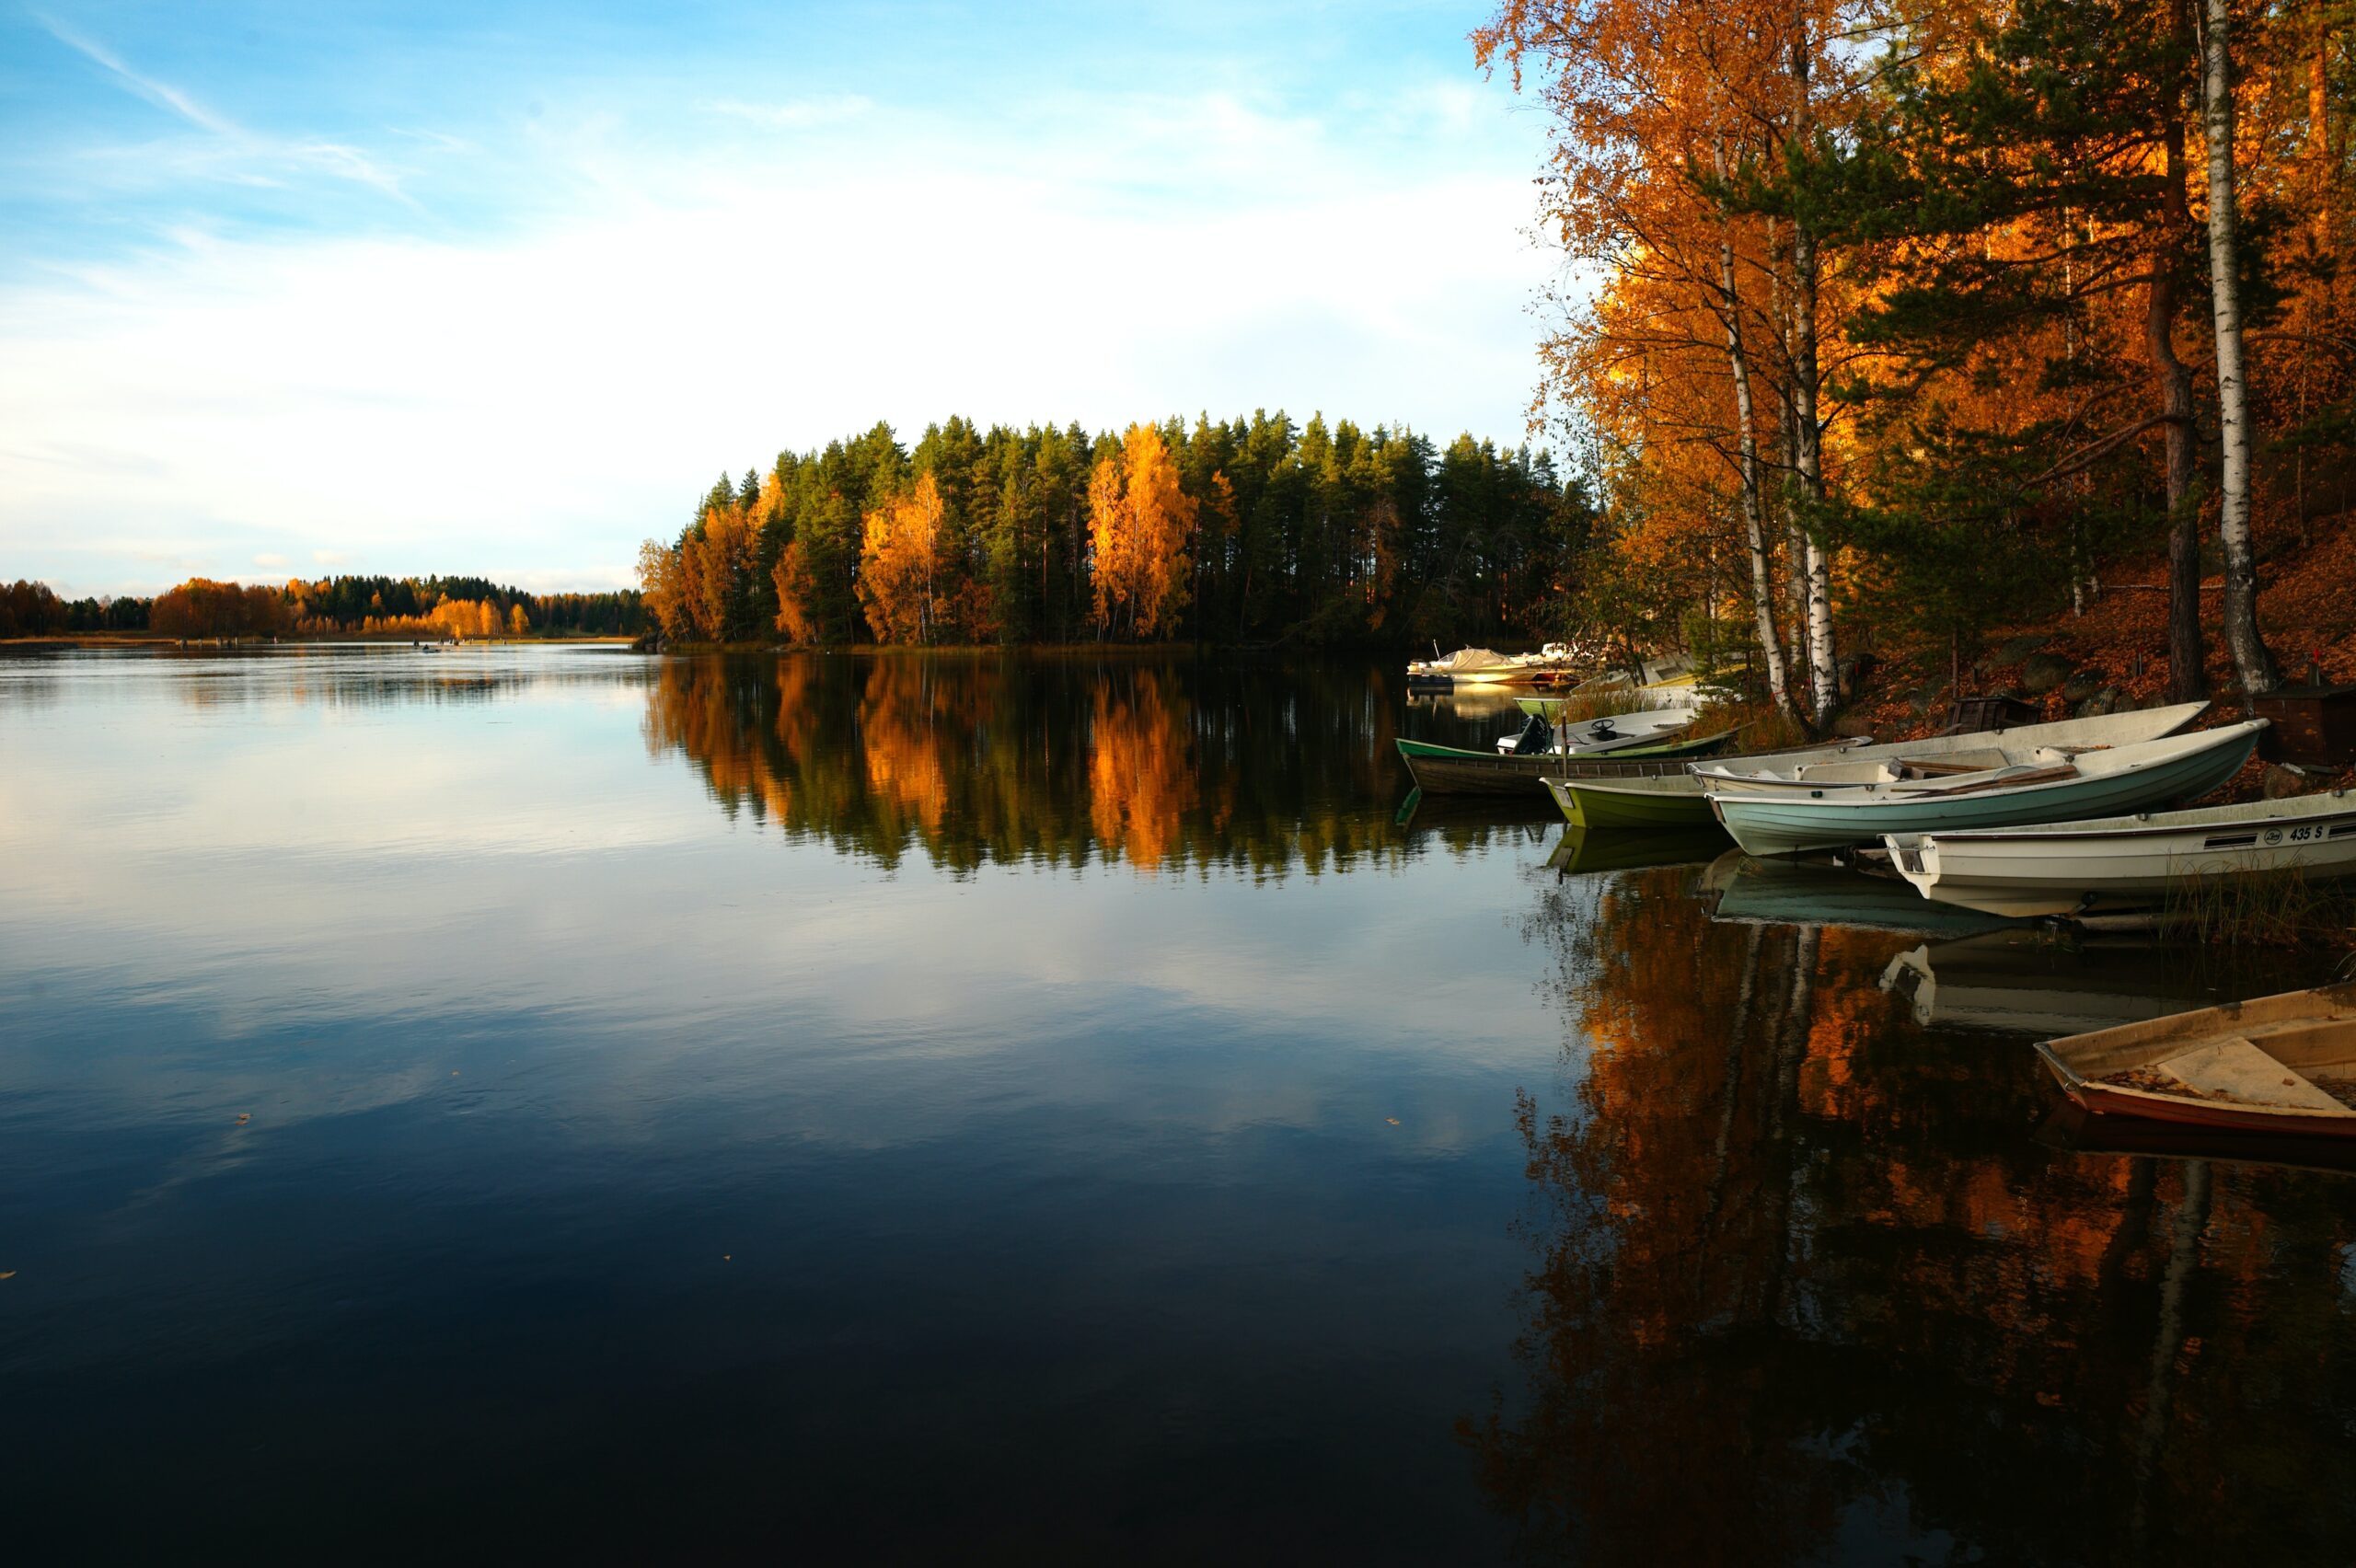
1911 329
1245 532
1917 325
391 606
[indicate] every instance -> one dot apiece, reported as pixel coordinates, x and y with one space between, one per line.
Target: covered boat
2284 1063
1551 665
2127 862
1770 815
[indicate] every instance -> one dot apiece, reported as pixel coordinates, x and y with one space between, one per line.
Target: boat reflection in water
1631 848
1806 1287
1807 892
2039 983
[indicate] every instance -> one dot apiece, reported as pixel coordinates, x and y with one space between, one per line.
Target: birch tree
2252 663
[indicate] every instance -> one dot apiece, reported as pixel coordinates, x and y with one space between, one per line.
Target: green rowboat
1675 801
1453 770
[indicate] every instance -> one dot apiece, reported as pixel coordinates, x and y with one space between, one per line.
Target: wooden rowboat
2284 1063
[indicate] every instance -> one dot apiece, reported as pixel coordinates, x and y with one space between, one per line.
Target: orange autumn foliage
1140 523
900 575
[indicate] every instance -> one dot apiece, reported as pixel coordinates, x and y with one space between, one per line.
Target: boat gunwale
2047 833
1854 797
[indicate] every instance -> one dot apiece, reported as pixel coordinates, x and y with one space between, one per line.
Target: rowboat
2040 784
1668 798
2284 1063
1673 802
1453 770
2126 862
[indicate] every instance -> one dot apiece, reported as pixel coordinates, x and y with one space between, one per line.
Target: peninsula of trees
1243 532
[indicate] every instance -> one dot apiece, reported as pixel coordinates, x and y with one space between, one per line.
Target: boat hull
1450 770
1603 802
2128 865
1781 825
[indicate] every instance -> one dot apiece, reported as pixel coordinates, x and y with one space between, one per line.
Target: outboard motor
1536 736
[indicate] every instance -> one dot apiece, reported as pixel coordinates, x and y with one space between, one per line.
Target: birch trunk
2187 656
1806 429
1763 589
2252 664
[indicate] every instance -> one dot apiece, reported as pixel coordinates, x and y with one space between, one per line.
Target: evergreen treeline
33 609
403 605
350 603
1245 531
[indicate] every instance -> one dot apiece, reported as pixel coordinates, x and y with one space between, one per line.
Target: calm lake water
550 1102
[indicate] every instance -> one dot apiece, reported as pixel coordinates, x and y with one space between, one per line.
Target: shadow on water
1808 1286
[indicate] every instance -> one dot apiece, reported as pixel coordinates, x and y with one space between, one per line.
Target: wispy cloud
793 114
332 158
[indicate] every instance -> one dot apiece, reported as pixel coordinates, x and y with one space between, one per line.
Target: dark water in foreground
553 1104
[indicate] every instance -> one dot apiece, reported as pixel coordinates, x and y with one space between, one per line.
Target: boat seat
2235 1069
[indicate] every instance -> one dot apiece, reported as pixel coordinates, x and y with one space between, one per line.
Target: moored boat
2281 1063
1551 665
1672 796
1453 770
1616 731
2040 784
1673 802
2117 863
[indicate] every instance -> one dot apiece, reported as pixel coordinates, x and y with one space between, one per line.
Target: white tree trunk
2252 663
1808 430
1824 689
1762 588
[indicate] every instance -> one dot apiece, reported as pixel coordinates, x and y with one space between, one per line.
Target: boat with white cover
1837 804
2125 861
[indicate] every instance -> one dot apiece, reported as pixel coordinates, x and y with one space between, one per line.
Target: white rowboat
2043 784
2120 861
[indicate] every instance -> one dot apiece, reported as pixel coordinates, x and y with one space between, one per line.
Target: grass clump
2276 906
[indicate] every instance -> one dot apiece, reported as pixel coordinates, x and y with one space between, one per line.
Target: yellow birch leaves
1139 527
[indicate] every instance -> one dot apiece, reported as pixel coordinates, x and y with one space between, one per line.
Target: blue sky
308 288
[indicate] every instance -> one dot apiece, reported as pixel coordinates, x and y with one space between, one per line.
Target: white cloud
531 405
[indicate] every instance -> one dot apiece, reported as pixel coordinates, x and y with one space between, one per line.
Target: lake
552 1102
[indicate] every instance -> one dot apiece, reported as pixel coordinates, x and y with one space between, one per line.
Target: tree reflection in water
1807 1289
1156 763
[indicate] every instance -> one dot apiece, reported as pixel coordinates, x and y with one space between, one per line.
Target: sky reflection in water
898 1107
